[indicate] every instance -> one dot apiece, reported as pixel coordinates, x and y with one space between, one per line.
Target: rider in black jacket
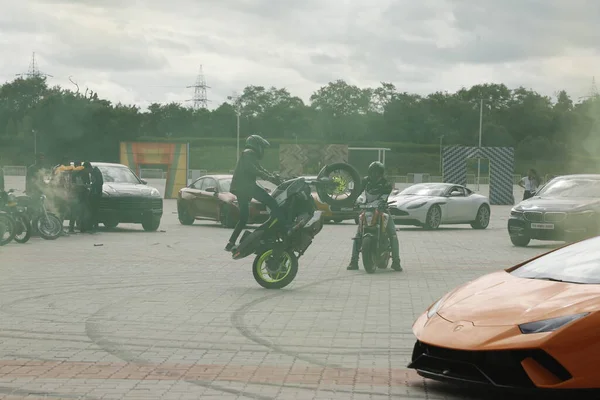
243 184
376 185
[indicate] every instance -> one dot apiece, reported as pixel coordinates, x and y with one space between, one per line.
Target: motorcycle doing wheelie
22 224
374 243
277 252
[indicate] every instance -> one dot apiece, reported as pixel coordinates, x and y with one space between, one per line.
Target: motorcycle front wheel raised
348 182
287 270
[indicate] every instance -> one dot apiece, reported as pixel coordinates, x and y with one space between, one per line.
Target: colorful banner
147 154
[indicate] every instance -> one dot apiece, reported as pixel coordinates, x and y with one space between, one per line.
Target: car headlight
154 193
586 213
549 325
434 308
413 206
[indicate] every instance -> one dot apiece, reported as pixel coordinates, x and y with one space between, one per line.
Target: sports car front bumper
498 356
404 216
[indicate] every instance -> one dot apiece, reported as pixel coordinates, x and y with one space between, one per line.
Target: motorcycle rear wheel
49 228
7 229
266 279
331 197
369 254
22 229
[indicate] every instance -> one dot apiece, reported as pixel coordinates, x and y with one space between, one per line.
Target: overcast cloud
149 51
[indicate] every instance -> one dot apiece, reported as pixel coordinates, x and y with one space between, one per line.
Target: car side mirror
211 190
144 182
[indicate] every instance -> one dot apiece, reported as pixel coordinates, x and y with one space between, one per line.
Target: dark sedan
127 198
567 208
209 198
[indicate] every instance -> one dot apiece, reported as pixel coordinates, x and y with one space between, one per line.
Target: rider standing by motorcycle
245 188
375 185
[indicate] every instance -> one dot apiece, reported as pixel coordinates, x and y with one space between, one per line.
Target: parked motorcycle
374 243
45 223
22 225
276 263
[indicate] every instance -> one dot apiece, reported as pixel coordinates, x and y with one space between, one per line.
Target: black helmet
376 170
258 144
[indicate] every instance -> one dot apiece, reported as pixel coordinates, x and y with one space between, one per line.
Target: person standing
97 181
530 183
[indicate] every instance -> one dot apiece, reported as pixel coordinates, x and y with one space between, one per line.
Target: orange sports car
533 326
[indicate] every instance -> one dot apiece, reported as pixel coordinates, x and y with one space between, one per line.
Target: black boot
396 266
353 266
229 246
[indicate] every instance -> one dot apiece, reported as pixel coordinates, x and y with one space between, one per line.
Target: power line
200 99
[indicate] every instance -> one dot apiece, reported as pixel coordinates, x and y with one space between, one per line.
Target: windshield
577 263
425 190
570 187
118 175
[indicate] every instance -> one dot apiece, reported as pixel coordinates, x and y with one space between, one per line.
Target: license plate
542 226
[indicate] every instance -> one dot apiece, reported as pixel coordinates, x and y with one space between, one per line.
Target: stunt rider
376 186
244 186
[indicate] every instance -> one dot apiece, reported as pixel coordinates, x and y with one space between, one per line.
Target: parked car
127 198
532 326
567 208
433 204
333 213
209 198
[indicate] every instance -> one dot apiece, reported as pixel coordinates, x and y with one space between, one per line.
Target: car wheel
482 220
434 217
520 241
110 224
226 218
151 224
184 216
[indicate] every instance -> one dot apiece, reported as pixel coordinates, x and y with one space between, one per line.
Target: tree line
554 130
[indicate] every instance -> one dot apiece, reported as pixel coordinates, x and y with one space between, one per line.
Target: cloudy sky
149 51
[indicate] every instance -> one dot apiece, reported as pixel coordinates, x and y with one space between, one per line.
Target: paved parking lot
127 314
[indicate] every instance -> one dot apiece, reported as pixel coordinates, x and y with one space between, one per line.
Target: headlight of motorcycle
413 206
549 325
434 308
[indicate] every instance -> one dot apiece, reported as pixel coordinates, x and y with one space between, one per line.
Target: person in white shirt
530 183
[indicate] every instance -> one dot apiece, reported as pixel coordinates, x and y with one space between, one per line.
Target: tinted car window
197 184
425 190
225 185
579 263
118 175
208 182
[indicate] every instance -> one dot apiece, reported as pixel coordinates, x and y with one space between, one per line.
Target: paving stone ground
126 314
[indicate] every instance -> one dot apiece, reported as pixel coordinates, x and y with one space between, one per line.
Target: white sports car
433 204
